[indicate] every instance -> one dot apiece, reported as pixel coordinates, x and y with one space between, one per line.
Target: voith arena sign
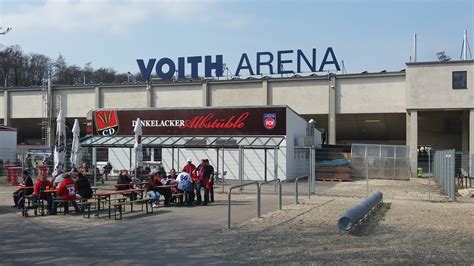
281 62
189 122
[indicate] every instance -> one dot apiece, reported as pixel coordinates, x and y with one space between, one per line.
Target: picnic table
138 184
106 196
24 187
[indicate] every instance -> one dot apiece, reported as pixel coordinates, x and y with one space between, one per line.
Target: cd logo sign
106 123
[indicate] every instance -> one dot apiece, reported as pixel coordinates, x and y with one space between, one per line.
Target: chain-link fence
444 171
380 161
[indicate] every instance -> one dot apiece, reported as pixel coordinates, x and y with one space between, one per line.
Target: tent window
102 154
157 155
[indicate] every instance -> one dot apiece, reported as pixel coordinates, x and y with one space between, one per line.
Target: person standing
204 174
21 193
210 184
107 169
189 167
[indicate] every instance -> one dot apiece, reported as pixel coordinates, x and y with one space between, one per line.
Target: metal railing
259 202
296 188
229 202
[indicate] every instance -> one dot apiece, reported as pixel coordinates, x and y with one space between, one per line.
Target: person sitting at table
83 186
41 185
185 185
147 169
58 178
18 195
164 191
84 168
152 193
172 175
124 181
66 190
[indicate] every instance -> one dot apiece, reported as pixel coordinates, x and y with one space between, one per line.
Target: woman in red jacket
66 190
41 185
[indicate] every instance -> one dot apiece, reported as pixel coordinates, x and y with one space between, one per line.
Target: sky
367 35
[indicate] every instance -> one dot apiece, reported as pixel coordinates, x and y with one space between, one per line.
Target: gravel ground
400 232
407 229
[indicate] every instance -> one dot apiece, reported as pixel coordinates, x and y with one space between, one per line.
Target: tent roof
256 142
5 128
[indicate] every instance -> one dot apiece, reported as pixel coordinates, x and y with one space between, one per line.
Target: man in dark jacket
20 193
204 174
124 181
83 186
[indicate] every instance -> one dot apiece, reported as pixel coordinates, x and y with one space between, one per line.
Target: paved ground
198 235
168 236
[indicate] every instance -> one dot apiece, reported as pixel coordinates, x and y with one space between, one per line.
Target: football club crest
269 121
106 122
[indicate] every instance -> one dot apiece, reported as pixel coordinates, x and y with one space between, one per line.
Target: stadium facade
427 103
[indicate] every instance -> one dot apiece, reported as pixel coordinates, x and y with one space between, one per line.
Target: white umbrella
60 145
138 148
76 147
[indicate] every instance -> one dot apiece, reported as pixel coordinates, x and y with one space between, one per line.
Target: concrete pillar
331 137
149 95
413 141
6 108
265 93
465 142
471 141
407 129
98 100
205 94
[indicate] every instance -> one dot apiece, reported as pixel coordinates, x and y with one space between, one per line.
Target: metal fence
444 171
380 161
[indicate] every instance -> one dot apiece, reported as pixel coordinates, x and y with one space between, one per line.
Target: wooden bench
28 206
86 205
180 196
61 204
118 207
146 201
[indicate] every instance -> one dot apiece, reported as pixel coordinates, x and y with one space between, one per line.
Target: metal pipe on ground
354 215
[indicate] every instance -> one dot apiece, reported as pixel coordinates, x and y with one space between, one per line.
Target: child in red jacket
66 190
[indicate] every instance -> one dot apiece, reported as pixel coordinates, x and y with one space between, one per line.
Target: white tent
76 147
60 145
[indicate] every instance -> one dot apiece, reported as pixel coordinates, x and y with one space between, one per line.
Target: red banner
189 122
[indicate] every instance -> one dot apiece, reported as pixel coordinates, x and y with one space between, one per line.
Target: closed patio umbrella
76 147
137 147
60 145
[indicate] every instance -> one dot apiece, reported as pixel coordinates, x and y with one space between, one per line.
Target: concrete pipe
353 215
